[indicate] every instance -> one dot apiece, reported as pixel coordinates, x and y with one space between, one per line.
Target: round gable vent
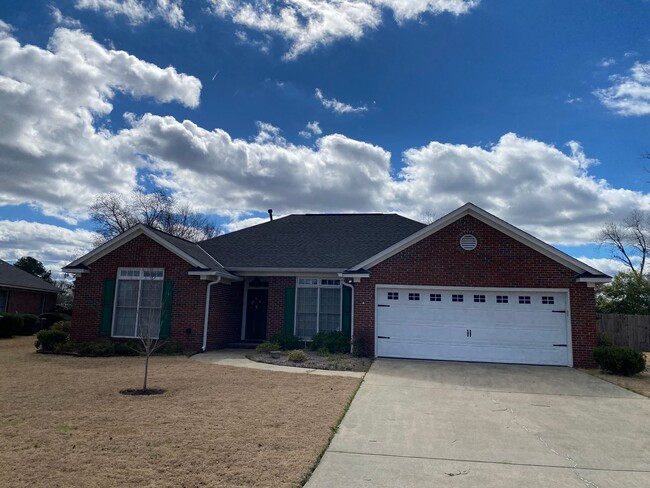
468 242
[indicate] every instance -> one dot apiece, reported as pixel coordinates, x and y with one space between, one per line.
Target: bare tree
114 214
629 241
428 217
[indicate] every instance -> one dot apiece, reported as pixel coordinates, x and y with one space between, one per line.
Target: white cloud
338 107
571 100
140 11
49 140
528 183
63 20
607 62
608 266
306 24
629 94
311 129
52 245
238 224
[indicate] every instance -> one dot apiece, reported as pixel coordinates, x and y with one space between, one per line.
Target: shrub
603 339
267 347
30 325
333 342
95 348
623 361
51 317
359 348
168 347
286 341
11 324
50 340
297 356
128 348
62 325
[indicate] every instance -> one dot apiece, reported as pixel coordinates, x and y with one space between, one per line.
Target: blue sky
537 111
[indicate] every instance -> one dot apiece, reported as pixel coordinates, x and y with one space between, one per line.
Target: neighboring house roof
193 254
323 241
586 272
12 277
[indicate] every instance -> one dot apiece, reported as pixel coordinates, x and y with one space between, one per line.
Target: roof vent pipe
270 214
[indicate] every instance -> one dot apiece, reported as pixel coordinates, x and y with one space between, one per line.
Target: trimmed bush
52 317
286 341
332 342
62 325
97 348
30 325
603 339
267 347
10 324
359 348
128 348
622 361
50 340
297 356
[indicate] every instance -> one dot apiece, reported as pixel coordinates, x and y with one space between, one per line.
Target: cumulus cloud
338 107
63 20
54 246
140 11
49 143
629 94
306 24
531 184
608 266
311 129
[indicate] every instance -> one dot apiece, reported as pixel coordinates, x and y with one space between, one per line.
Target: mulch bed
315 360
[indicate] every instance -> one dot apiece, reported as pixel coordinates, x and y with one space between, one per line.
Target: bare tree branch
629 241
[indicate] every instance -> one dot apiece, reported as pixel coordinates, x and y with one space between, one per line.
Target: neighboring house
21 292
467 287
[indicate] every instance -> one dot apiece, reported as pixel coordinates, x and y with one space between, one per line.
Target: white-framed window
138 302
457 298
4 298
548 300
524 300
435 297
502 298
479 298
414 296
318 306
393 295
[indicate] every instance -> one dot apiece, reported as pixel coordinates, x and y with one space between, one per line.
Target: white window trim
137 308
318 286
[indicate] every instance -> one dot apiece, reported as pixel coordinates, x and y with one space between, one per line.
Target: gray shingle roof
336 241
192 249
12 277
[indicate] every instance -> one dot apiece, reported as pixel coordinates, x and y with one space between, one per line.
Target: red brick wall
497 261
141 252
277 285
225 318
25 301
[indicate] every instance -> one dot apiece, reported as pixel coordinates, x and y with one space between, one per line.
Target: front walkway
237 358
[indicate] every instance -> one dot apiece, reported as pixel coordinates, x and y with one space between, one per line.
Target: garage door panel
532 330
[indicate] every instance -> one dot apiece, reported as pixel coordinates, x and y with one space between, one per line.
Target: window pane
149 322
306 312
151 294
330 309
127 293
124 322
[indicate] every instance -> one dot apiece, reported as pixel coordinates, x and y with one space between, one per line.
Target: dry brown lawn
639 383
63 422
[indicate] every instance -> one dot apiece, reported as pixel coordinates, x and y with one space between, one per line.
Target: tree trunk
146 371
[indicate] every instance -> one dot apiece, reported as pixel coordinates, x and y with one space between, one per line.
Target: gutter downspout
207 309
349 285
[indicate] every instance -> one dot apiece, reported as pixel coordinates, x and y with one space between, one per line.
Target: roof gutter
207 310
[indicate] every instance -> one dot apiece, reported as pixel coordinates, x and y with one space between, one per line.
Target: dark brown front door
256 309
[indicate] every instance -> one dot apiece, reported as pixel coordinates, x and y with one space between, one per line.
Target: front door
256 309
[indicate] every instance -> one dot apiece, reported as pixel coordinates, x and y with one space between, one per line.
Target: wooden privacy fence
626 330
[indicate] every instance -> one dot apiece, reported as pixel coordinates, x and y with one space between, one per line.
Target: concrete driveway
439 424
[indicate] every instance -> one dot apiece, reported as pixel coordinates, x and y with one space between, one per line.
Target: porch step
244 344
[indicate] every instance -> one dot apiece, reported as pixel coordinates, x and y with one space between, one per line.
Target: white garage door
503 326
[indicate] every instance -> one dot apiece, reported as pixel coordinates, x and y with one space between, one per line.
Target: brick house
21 292
467 287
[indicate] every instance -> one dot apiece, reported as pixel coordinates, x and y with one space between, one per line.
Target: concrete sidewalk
442 424
237 358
